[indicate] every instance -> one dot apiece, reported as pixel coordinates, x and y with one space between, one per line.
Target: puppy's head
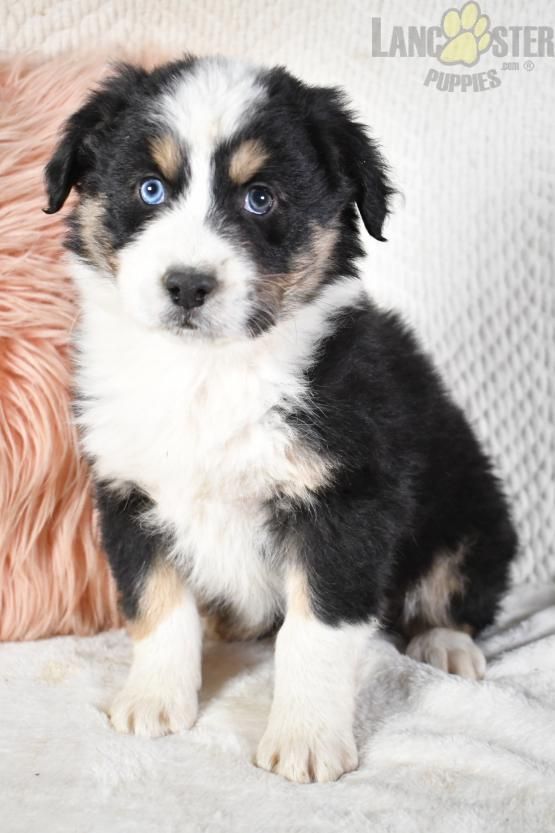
216 197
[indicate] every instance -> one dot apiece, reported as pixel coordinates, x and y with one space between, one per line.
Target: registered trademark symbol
528 65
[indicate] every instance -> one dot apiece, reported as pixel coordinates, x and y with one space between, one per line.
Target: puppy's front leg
161 691
309 736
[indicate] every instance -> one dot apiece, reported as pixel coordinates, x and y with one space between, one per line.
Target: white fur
310 731
204 108
181 238
193 422
211 101
449 650
161 692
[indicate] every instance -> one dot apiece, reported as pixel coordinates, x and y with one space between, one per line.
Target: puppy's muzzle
189 288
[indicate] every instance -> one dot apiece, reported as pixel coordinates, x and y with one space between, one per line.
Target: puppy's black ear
349 151
82 132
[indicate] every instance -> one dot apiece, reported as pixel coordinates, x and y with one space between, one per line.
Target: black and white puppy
266 443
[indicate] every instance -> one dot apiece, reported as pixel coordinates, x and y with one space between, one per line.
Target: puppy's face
214 196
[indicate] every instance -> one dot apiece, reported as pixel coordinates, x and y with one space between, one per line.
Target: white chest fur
199 426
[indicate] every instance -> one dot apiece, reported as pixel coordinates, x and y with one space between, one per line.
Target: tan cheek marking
310 266
162 592
95 237
166 154
246 161
298 600
429 602
283 291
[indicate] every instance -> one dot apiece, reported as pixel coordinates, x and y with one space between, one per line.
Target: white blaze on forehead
208 105
211 101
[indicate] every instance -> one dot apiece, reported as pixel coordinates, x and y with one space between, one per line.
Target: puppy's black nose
189 288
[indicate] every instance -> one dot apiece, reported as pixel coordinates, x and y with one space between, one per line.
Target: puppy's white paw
305 754
451 651
152 714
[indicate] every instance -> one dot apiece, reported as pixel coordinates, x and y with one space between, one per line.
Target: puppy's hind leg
458 597
439 623
450 650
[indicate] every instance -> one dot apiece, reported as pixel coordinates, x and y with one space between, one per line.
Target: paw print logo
467 33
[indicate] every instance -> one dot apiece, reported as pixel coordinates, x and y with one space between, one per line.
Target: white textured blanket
438 753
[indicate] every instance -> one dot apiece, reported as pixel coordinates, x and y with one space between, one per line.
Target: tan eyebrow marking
167 155
247 160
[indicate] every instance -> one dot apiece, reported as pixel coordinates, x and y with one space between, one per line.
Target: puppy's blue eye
152 191
258 200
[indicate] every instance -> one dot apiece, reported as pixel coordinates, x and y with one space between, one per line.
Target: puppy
265 442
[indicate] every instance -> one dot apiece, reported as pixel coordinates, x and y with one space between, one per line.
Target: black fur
131 546
411 481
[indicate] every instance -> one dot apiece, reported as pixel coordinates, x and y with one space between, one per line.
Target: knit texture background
470 254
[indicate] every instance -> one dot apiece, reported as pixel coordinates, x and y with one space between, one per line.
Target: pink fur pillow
53 577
